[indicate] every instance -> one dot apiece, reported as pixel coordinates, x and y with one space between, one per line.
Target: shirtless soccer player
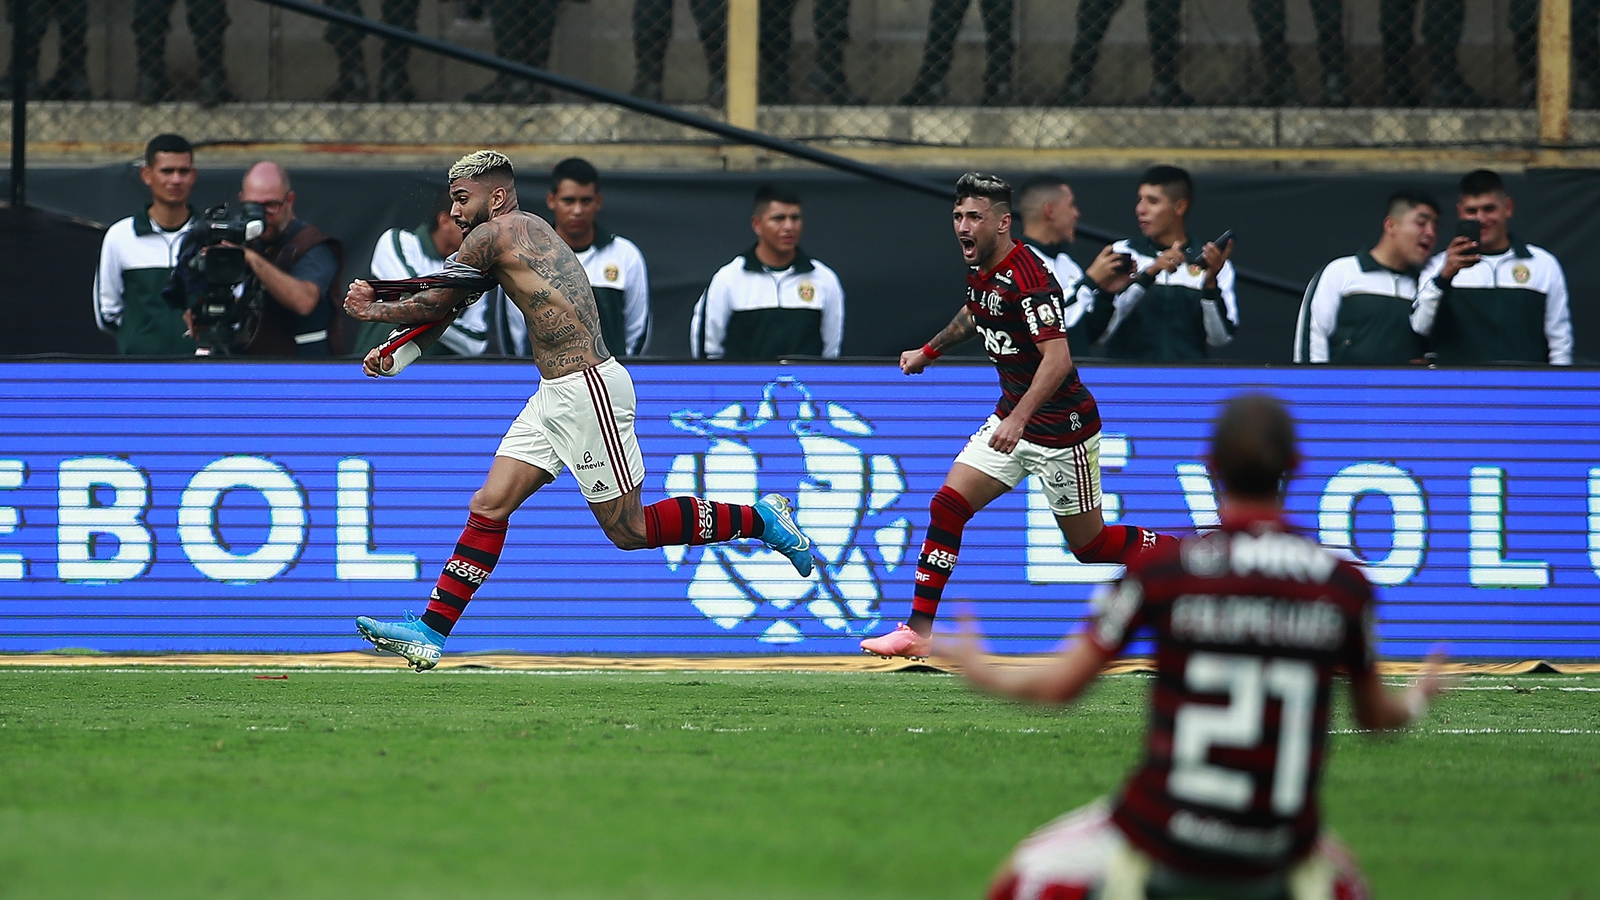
581 416
1250 623
1045 424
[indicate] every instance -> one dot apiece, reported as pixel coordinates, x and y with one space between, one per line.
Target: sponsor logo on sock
1147 538
705 524
940 559
465 571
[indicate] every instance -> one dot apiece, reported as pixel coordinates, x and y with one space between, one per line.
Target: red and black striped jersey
1250 624
1017 306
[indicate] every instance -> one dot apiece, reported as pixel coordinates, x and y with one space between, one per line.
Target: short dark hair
1481 181
1173 181
1407 199
992 188
440 206
775 192
1253 446
166 143
576 170
1036 192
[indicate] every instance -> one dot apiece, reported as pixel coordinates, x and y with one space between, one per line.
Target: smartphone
1124 263
1222 242
1471 229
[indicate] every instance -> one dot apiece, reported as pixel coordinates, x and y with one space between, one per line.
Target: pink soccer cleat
900 642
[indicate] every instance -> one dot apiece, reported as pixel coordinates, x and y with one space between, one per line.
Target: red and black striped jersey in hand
1017 306
1250 624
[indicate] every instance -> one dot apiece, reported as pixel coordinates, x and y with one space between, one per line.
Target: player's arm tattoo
961 329
478 250
420 308
431 336
481 247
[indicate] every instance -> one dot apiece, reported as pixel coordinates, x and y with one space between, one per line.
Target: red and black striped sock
1120 544
476 553
690 520
949 515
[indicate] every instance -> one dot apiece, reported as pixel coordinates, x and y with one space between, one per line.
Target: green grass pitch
217 784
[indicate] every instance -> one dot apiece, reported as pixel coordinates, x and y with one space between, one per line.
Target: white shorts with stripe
1085 854
583 421
1071 475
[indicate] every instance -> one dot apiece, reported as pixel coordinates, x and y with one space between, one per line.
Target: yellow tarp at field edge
513 662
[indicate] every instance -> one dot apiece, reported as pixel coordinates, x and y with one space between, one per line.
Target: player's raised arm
1059 681
960 330
1377 708
404 346
478 251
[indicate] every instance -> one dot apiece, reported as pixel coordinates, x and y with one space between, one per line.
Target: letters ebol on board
292 496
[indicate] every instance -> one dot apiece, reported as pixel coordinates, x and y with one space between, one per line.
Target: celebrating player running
1250 622
581 416
1045 424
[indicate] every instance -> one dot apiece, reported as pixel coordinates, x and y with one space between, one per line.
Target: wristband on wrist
395 362
929 352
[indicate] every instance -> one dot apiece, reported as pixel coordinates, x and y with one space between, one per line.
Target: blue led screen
262 506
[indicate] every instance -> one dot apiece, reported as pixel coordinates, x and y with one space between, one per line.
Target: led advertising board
262 506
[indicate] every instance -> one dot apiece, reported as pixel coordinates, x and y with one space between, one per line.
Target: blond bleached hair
479 163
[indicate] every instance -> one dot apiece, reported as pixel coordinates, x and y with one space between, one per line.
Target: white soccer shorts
583 421
1085 851
1071 475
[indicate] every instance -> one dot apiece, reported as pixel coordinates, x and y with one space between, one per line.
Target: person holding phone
1359 310
1490 298
1049 225
1181 301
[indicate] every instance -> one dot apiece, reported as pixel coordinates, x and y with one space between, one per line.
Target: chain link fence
981 73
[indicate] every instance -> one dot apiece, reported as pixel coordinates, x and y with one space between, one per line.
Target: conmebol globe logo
820 454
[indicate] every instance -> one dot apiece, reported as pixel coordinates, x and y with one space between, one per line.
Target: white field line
1505 687
1481 731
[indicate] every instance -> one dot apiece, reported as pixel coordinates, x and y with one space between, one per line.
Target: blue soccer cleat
782 534
420 645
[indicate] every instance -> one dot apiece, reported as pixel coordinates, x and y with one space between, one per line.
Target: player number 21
1247 680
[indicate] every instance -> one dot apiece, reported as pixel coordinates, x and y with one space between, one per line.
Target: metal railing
880 73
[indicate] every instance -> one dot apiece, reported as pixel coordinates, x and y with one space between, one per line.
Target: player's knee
949 509
626 538
489 506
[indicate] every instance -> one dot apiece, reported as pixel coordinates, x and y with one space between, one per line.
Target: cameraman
298 266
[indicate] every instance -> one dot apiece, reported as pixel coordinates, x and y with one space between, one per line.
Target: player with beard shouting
1045 424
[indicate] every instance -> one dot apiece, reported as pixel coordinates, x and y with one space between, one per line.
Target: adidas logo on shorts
598 487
